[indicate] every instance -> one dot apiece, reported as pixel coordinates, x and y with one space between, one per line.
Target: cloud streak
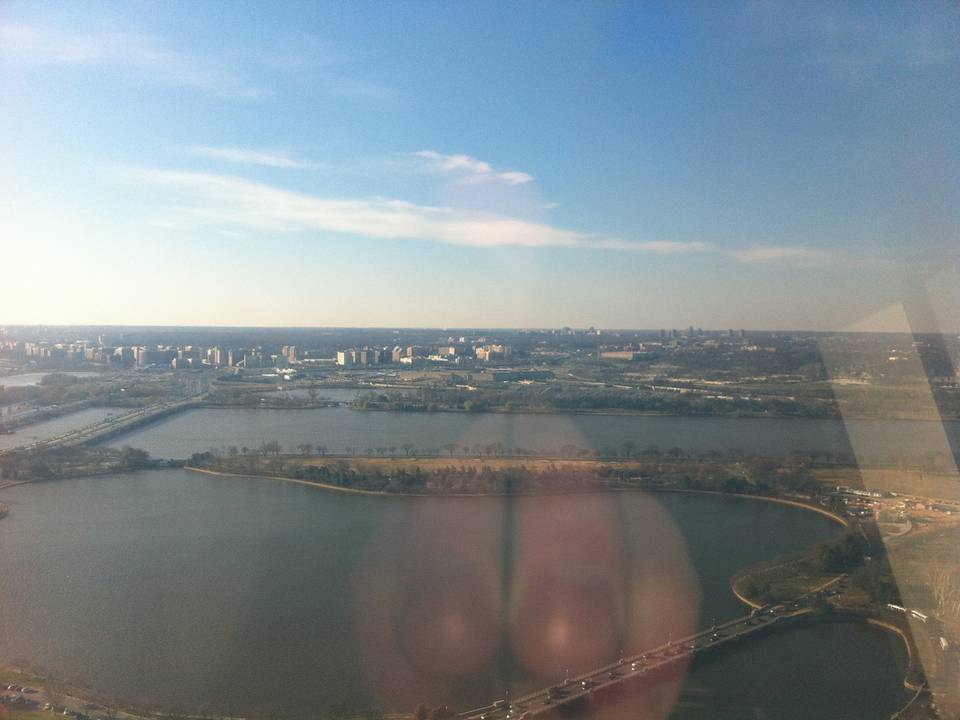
149 58
239 202
124 53
469 169
268 158
233 203
659 247
782 254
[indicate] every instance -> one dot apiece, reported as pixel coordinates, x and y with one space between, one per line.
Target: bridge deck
638 665
110 426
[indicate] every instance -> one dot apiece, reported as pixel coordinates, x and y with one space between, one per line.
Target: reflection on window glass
503 361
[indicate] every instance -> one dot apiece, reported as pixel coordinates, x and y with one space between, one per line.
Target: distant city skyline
763 165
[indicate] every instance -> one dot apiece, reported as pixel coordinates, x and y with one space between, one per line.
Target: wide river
339 428
183 590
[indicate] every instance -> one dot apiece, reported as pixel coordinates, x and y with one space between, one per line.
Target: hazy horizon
449 328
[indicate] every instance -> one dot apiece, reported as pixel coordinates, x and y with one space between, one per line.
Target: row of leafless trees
627 450
944 584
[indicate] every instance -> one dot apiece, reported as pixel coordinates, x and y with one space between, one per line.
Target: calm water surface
185 590
841 671
340 428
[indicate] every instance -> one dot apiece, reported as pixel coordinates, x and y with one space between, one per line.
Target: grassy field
912 482
782 581
32 714
927 571
9 676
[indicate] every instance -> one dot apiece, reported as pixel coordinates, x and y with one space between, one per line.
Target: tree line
734 475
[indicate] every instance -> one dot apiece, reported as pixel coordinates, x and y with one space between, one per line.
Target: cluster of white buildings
454 352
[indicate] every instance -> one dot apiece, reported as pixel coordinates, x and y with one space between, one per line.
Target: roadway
649 661
111 425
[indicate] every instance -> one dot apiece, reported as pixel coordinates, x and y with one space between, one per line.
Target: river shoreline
766 498
782 501
588 491
609 412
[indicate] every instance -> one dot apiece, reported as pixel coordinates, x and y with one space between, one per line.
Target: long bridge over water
649 662
111 426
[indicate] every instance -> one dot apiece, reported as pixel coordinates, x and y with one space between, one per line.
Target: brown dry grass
910 482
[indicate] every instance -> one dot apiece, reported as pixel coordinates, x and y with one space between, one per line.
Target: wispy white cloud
455 163
237 202
783 254
269 158
235 234
660 247
233 204
125 52
469 169
152 59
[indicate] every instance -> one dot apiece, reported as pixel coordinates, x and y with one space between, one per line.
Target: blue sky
478 164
